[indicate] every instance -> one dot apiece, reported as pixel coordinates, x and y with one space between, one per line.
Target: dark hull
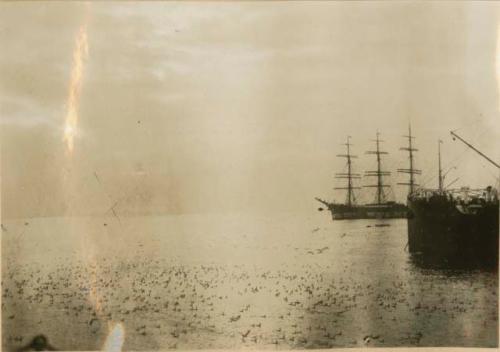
440 229
384 211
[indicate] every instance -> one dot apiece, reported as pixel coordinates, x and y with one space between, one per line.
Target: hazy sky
204 107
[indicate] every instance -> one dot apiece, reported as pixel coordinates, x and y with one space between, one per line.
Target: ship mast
380 199
411 170
472 147
350 198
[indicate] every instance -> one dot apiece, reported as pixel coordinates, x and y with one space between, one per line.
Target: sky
200 107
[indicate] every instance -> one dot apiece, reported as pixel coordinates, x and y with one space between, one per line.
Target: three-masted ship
381 208
452 226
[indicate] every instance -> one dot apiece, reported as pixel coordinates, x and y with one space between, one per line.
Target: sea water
273 281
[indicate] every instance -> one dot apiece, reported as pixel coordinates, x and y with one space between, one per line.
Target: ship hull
439 229
384 211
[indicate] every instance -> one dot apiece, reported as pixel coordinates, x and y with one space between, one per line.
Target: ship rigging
350 196
379 173
381 208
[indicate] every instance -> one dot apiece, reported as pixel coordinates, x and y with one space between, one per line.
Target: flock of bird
164 304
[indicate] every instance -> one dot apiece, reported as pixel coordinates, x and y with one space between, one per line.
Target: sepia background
141 140
213 107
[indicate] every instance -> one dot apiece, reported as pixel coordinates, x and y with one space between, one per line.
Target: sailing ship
381 208
452 226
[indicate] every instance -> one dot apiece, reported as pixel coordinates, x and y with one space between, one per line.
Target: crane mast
454 135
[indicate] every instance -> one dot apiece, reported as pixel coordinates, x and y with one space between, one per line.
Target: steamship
452 226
